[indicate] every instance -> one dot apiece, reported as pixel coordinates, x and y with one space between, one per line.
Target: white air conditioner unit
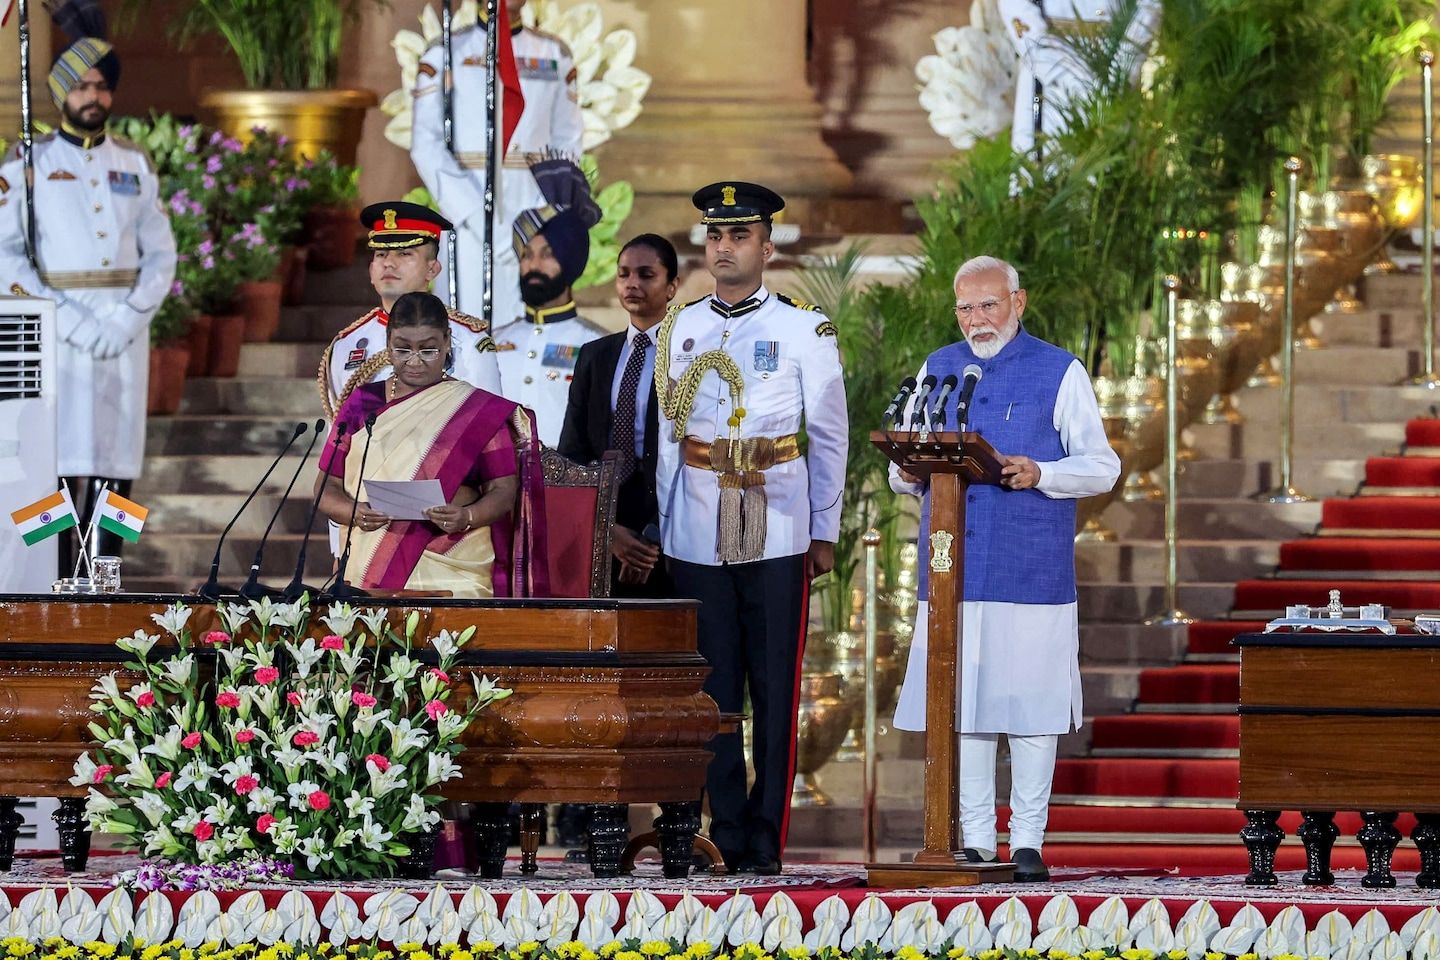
27 437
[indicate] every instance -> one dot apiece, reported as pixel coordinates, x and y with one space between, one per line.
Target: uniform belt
91 279
515 161
736 456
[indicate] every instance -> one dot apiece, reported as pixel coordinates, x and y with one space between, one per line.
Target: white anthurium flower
1291 922
1391 947
346 927
647 906
413 930
746 928
246 912
781 933
84 928
1317 945
76 902
1249 916
1420 921
271 928
1370 929
779 904
1203 915
832 908
139 643
1427 946
1156 936
1150 911
340 618
561 914
964 914
604 905
486 927
1053 938
1014 935
1108 916
474 902
155 919
1337 927
518 930
826 934
417 816
1354 950
593 931
1060 911
446 930
106 688
1272 943
173 620
337 905
1233 940
39 901
192 929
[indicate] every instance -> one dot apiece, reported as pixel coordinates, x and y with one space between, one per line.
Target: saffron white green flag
124 518
45 518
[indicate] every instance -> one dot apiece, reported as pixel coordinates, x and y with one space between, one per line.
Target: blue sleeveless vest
1019 544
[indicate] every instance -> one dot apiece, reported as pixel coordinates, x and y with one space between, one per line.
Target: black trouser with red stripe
751 626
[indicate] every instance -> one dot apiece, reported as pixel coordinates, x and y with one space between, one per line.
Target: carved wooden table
608 709
1340 721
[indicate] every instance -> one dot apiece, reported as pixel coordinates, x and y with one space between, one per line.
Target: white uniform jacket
790 364
107 256
551 121
349 354
537 355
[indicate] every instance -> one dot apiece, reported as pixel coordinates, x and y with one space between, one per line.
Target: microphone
973 374
252 589
917 420
895 412
340 588
937 412
211 589
296 588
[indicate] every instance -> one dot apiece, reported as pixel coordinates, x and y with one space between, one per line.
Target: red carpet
1194 683
1360 553
1422 433
1381 513
1163 731
1402 472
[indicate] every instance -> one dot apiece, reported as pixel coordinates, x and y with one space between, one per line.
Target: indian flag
45 518
124 518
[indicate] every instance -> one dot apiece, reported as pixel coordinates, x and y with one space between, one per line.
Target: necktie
622 427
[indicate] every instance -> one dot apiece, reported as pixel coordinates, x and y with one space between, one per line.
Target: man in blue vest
1020 674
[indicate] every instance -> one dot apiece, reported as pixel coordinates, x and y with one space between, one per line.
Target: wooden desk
608 707
1340 721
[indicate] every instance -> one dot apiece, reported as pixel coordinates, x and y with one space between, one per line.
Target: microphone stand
252 589
211 589
339 589
297 587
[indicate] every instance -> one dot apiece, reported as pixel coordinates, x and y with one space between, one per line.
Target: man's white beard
989 348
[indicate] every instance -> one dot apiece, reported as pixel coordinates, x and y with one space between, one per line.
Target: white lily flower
261 800
306 655
417 816
97 805
358 806
287 839
137 775
367 719
125 746
241 766
220 812
374 620
316 850
299 794
401 668
450 725
440 767
84 771
373 835
340 618
386 781
152 807
167 745
139 643
445 644
404 737
234 658
344 838
486 691
179 670
196 773
350 661
106 688
173 620
290 759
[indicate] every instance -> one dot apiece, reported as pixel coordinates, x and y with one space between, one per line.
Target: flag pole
447 97
492 158
65 484
27 135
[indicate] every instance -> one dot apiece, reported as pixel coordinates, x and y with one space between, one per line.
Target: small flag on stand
45 518
124 518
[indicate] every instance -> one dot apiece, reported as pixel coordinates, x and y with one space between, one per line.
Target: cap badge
727 196
389 219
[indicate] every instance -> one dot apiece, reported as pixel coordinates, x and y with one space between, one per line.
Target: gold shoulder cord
363 374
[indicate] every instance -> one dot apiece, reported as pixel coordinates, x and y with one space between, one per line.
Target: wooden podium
950 462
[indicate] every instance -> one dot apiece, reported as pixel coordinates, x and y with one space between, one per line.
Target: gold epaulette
797 304
322 376
465 320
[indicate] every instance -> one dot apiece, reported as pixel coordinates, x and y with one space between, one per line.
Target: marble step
1196 560
1392 327
1137 602
345 286
206 435
296 397
1392 291
1239 479
1219 519
215 474
1313 438
183 559
1353 364
319 324
1132 644
1327 404
279 360
207 513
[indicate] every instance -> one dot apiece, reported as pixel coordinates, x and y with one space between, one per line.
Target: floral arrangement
327 753
968 84
611 88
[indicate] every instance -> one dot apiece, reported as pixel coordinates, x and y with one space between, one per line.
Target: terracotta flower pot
259 301
332 234
227 334
198 340
167 376
291 274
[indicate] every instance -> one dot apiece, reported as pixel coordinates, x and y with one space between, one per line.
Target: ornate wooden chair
579 511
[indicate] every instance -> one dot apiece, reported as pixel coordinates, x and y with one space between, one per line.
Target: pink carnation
103 771
293 699
204 830
146 699
191 741
265 822
439 674
332 642
319 800
244 735
266 675
227 699
435 709
362 699
164 779
381 762
216 637
305 738
245 784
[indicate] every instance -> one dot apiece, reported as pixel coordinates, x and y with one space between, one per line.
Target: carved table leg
491 825
532 829
74 834
1262 835
10 822
609 826
1319 833
676 827
1427 840
1378 837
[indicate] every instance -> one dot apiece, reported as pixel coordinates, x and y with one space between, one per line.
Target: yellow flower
629 955
93 947
1137 954
1248 956
908 952
655 948
991 954
68 952
1030 953
955 953
484 946
589 955
529 946
1094 955
1214 955
462 955
1177 955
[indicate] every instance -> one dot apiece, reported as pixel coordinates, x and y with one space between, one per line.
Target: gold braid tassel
753 512
731 540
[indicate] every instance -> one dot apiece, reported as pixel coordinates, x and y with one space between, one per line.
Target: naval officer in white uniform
747 517
538 351
1020 671
550 123
404 239
106 256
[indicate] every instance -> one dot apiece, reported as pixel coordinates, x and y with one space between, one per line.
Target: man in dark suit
612 406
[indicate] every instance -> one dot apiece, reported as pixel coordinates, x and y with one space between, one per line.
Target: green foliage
293 45
330 183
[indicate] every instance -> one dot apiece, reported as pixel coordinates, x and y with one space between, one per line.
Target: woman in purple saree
424 425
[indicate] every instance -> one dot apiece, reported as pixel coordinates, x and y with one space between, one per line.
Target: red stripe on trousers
795 701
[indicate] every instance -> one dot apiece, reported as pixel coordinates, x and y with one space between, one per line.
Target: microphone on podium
339 588
937 412
297 588
972 374
252 589
895 413
211 589
917 418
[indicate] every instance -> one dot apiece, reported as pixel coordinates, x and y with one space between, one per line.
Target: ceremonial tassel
754 510
732 528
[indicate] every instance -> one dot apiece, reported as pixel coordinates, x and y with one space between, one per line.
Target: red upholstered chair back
579 509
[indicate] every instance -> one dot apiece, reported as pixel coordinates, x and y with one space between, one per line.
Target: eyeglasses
989 308
402 356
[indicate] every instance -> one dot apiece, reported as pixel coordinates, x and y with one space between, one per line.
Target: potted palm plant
289 54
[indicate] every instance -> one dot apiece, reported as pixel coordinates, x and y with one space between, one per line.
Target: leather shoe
1029 868
973 856
759 864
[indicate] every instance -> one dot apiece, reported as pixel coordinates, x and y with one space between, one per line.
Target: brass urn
823 721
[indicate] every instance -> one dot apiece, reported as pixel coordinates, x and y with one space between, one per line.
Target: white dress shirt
1020 669
642 390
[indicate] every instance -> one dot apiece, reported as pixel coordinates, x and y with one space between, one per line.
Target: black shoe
759 864
973 856
1029 868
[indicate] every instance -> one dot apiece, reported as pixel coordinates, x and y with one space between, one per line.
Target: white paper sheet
404 499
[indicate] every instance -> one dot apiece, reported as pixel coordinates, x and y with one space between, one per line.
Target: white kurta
537 355
790 365
1020 662
551 121
106 256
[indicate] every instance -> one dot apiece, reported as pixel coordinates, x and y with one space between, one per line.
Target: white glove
82 336
69 318
118 329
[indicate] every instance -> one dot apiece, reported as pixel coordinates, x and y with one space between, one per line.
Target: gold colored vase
313 120
1394 182
1144 412
823 721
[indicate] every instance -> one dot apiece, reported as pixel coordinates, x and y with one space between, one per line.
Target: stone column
369 63
863 69
40 57
730 100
